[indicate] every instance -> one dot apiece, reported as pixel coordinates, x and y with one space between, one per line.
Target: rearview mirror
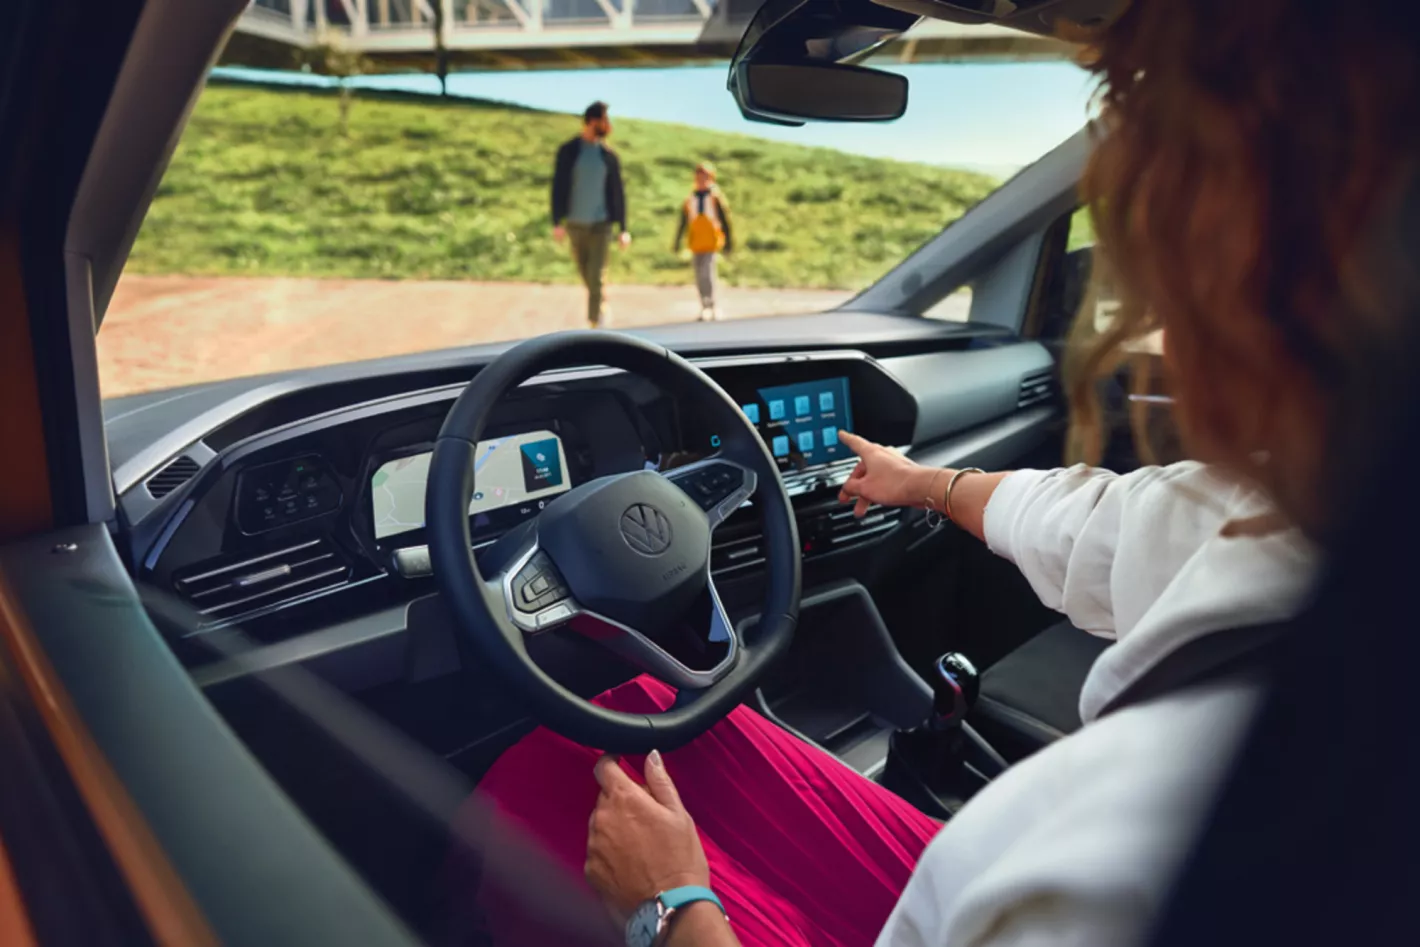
795 93
796 63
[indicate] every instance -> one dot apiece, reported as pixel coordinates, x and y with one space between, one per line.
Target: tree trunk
441 55
346 94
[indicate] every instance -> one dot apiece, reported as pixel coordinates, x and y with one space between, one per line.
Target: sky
991 117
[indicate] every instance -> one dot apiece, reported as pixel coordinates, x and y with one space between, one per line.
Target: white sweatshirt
1077 846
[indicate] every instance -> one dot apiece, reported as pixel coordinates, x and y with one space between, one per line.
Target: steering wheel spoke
695 653
535 593
717 485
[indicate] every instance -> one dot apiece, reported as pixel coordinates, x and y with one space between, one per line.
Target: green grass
1082 230
264 183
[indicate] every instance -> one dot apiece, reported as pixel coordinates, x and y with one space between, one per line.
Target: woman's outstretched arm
1095 545
886 478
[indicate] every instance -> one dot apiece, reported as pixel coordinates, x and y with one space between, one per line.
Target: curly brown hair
1246 153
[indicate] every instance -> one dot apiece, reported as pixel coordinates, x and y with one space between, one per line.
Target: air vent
840 529
171 477
228 588
1037 388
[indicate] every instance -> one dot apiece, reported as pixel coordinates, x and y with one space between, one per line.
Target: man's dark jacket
562 185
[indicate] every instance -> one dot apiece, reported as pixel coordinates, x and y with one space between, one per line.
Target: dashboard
325 514
287 511
517 474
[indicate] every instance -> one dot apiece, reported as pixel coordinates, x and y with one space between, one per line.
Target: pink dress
802 850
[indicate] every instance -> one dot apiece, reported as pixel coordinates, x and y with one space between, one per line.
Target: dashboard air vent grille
825 530
224 589
1037 388
171 477
840 529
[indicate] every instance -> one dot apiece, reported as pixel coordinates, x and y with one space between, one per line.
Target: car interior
288 514
302 647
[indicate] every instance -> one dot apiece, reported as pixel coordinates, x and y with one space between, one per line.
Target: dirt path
165 331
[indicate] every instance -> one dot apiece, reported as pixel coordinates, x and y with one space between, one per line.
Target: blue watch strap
679 897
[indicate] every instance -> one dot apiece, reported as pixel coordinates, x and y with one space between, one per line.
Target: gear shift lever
955 684
941 763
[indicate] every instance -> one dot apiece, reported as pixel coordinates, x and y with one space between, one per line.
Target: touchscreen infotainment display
800 422
517 473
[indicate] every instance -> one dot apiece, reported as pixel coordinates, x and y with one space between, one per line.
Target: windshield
332 199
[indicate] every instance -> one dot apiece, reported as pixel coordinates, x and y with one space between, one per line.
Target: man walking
589 205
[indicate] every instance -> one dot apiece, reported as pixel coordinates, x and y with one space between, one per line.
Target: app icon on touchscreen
825 401
806 441
776 410
801 406
830 437
752 412
781 446
542 466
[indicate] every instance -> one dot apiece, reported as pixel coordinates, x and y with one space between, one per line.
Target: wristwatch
651 921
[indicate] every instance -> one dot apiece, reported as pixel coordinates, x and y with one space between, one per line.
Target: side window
1068 279
1122 452
953 307
1082 242
1082 230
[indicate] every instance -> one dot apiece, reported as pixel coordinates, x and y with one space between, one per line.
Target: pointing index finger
853 442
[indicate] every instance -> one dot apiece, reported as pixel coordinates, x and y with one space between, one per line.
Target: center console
845 687
799 404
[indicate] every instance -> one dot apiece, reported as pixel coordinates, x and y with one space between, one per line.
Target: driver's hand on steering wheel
886 478
640 840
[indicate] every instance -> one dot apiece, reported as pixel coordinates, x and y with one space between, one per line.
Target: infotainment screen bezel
882 410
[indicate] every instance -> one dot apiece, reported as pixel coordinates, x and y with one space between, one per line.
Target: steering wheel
624 559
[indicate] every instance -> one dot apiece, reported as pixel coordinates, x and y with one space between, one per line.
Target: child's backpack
705 232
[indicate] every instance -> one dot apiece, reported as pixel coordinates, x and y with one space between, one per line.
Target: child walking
705 222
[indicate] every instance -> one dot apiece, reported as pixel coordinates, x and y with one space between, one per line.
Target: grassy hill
264 183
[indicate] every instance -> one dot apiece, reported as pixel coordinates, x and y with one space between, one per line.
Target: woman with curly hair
1246 185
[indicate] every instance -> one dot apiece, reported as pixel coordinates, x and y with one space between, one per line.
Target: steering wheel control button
553 615
712 486
537 585
721 476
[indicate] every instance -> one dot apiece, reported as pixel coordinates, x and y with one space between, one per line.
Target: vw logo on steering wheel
646 529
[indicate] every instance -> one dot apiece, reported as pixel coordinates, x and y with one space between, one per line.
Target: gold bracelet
947 497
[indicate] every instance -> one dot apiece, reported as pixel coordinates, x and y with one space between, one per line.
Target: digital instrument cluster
513 478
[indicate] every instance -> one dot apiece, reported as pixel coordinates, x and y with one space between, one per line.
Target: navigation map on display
508 471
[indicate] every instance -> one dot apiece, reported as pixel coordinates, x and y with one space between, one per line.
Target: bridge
398 35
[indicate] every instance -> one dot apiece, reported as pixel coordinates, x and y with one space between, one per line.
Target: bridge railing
523 33
367 17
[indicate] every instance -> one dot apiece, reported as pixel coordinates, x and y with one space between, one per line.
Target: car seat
1031 697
